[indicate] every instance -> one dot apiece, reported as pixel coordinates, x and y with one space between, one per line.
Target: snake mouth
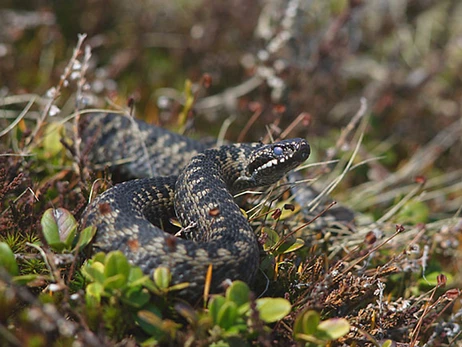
271 162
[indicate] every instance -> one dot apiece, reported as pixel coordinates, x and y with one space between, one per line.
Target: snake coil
131 216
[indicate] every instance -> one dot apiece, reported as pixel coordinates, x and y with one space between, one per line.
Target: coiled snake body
130 216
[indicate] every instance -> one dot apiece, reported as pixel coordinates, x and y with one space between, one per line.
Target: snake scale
189 181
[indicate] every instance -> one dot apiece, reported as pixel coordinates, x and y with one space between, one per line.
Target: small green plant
60 228
111 276
115 283
116 291
161 284
276 244
232 312
228 316
235 313
309 328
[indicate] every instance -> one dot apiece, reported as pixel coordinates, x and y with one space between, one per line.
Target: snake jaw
243 182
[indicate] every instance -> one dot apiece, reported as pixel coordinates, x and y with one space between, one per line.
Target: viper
187 180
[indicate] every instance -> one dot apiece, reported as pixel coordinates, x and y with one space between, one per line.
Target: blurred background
281 58
374 85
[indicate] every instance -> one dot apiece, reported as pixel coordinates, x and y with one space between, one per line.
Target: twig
79 97
54 93
348 129
292 125
284 239
250 122
360 259
415 333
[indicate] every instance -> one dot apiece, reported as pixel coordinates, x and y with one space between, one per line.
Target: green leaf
59 228
285 212
115 282
227 315
238 293
99 257
432 279
162 278
50 230
290 246
267 264
215 306
51 140
94 291
25 279
333 329
7 259
311 339
150 320
272 238
178 286
387 343
306 323
137 278
116 270
94 272
136 297
273 309
85 237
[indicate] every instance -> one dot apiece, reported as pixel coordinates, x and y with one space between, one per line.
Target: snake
184 179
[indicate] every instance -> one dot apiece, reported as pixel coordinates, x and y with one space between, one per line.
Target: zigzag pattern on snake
195 184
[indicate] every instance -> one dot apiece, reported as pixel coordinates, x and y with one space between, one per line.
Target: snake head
269 163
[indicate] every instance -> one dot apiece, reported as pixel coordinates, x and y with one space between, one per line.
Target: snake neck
232 165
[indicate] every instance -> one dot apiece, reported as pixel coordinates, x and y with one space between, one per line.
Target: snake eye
278 151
